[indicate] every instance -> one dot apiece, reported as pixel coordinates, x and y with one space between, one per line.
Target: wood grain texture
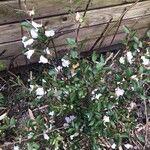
10 10
15 48
96 30
12 32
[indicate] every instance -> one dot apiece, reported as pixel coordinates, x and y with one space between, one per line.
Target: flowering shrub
82 103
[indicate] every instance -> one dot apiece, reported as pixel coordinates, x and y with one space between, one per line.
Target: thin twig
55 50
79 26
27 139
100 37
146 126
118 21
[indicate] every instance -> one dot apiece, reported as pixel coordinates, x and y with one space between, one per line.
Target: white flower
145 60
43 60
70 119
34 33
134 77
65 63
16 147
27 42
113 146
97 96
24 38
30 135
31 88
51 113
36 25
74 135
50 33
59 68
31 12
47 51
106 119
122 60
46 137
40 92
29 53
129 57
119 92
79 17
128 146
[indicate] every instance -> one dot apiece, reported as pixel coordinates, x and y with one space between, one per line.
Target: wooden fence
56 12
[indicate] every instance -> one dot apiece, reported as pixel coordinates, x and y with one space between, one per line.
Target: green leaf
26 24
126 29
74 54
148 33
94 57
71 42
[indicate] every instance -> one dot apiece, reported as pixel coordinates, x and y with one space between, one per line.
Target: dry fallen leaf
31 114
3 116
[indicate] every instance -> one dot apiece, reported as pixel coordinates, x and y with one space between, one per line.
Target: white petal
40 92
28 42
34 33
46 137
43 60
16 147
50 33
113 146
72 117
129 57
29 53
106 119
145 60
119 92
36 25
128 146
98 96
65 63
122 60
47 51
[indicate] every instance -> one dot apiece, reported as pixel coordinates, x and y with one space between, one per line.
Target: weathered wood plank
12 32
10 11
15 48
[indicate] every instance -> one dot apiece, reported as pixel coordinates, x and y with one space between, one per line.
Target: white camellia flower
130 57
97 96
36 25
49 33
128 146
43 60
27 42
106 119
40 92
119 92
34 33
113 146
145 60
51 113
16 147
65 63
29 53
122 60
46 137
